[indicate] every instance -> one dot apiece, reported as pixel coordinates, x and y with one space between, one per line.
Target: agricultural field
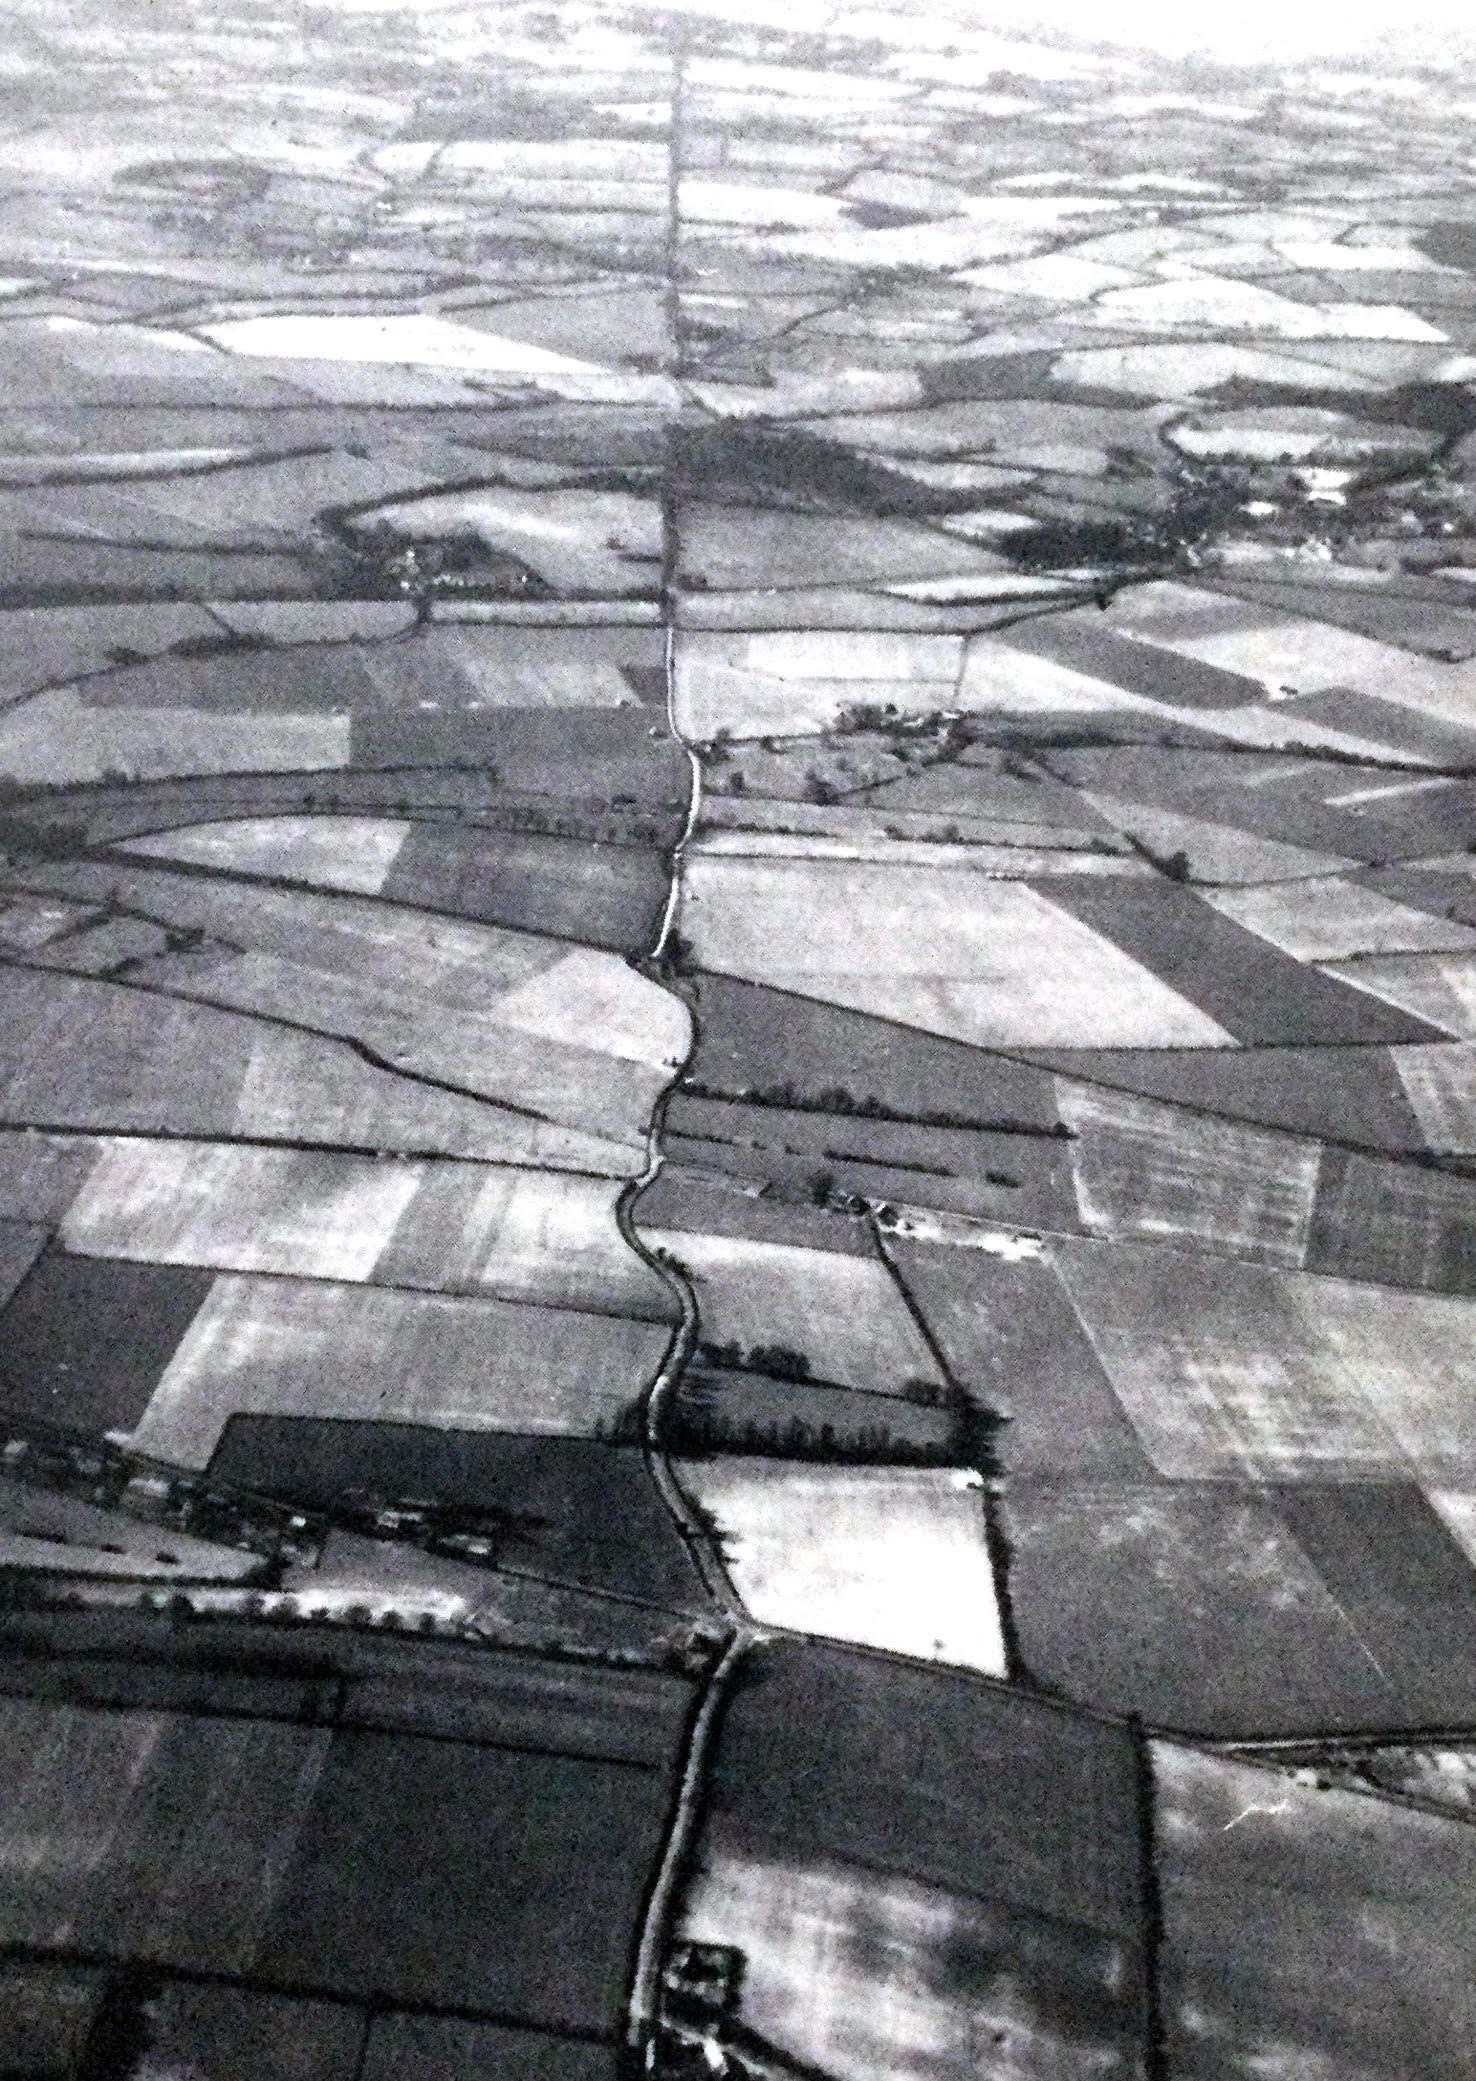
737 1046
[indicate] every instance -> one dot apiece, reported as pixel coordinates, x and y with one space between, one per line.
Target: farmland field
840 1313
285 1347
886 1557
863 1975
1328 1931
993 964
737 1044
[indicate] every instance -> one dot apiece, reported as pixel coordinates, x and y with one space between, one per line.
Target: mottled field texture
737 1047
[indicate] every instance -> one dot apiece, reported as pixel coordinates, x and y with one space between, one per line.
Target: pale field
461 1228
1185 369
474 1052
333 852
1290 653
1412 1356
39 1529
421 339
1440 988
298 1087
885 1557
1010 862
1233 1371
1328 919
282 1347
843 1313
869 1977
578 541
1439 1080
795 683
1005 968
240 1209
392 948
1143 1169
54 736
587 999
1216 852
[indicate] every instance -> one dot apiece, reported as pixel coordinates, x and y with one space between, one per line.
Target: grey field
737 1044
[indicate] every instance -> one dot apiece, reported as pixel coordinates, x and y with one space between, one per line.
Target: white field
1184 368
56 737
592 999
241 1209
887 1557
1440 988
1234 1370
420 338
1063 277
1143 1169
1005 862
327 852
867 1977
844 1313
1216 852
1439 1079
285 1347
1329 919
471 1228
989 962
578 541
712 694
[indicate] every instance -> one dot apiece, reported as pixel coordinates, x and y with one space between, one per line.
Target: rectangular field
934 1775
886 1557
1326 1932
1146 1170
470 1878
842 1315
283 1347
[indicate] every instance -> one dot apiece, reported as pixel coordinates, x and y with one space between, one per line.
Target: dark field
1258 994
753 1040
602 895
1013 1340
732 1411
1323 1931
84 1341
432 2048
582 1512
999 1177
1237 1613
473 1879
936 1777
230 2034
1399 1227
1344 1094
1139 668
